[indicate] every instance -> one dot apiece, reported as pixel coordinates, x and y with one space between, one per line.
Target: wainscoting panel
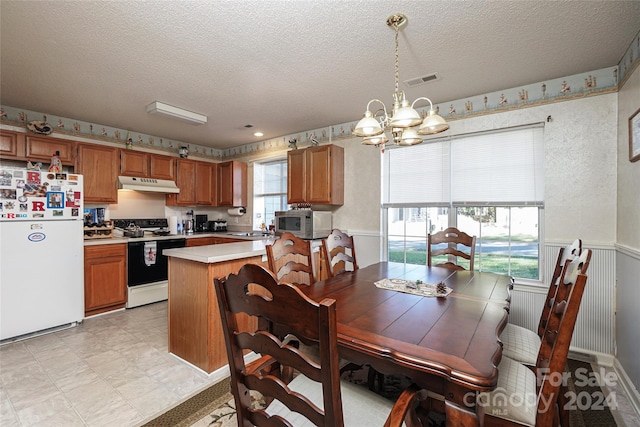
594 329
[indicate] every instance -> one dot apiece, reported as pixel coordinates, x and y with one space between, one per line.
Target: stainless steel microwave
304 223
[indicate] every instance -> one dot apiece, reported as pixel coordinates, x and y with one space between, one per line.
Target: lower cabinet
105 278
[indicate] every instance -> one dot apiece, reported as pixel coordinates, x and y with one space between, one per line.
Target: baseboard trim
629 387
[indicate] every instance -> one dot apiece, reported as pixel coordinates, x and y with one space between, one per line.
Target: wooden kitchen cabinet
232 184
134 163
105 278
11 144
162 167
316 175
146 165
36 148
99 165
186 182
43 147
206 188
296 176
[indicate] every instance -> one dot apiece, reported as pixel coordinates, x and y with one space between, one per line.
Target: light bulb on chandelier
403 115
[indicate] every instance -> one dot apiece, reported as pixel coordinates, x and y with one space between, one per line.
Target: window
269 191
490 185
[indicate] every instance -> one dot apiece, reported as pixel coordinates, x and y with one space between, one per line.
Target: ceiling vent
422 80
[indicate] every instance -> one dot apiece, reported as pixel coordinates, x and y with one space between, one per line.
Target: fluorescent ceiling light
175 112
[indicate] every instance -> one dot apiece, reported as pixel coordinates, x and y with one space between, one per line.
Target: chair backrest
554 347
339 253
256 292
567 253
290 260
455 241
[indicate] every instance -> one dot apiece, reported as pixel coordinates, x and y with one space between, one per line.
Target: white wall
628 240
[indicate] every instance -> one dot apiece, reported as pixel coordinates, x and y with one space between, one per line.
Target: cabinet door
99 165
296 176
325 175
9 146
162 167
232 183
42 148
203 183
134 163
105 278
186 182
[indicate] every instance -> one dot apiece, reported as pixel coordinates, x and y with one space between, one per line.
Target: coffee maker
201 222
187 224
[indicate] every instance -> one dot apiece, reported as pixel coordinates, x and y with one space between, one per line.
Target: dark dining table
447 345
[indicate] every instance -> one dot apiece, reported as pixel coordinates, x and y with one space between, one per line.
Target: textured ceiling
286 66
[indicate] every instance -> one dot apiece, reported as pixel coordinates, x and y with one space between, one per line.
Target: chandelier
403 117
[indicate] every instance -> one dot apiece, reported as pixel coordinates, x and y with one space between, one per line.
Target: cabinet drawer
103 251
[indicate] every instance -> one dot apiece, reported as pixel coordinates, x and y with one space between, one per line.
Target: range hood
147 184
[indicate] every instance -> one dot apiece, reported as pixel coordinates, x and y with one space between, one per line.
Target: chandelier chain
397 64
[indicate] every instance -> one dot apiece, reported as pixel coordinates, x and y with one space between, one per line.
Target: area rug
215 407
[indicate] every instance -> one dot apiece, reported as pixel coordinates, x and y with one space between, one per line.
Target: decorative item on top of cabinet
99 165
232 183
105 278
316 175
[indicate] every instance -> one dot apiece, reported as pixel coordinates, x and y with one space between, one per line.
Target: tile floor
114 370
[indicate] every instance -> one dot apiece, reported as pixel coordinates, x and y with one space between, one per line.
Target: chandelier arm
426 99
384 107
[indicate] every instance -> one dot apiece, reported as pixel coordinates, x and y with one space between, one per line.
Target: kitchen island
195 329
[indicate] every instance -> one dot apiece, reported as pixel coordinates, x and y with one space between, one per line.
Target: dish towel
150 252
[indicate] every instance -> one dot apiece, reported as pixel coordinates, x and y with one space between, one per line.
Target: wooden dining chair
527 398
290 259
339 253
316 396
522 344
458 244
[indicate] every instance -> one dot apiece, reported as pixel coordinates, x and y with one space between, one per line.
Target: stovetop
142 223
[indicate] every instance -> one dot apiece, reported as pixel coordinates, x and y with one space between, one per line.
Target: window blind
498 167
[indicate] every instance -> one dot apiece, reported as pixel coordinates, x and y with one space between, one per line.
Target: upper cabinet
146 165
206 184
21 146
43 147
11 144
186 182
232 184
316 175
99 165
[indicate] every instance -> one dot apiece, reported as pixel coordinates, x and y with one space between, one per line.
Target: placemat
415 287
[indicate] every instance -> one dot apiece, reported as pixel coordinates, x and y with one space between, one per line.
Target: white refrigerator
41 251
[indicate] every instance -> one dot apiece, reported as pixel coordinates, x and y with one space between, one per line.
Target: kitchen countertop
222 234
211 254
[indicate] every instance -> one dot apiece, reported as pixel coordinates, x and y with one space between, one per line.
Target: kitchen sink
251 234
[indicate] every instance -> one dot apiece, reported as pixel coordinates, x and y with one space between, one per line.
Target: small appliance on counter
201 222
304 223
217 225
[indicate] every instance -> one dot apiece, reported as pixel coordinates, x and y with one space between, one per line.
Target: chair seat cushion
361 407
515 397
520 344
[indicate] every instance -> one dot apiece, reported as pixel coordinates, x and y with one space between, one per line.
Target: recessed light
258 134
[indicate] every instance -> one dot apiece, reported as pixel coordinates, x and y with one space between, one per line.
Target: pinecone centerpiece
441 288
